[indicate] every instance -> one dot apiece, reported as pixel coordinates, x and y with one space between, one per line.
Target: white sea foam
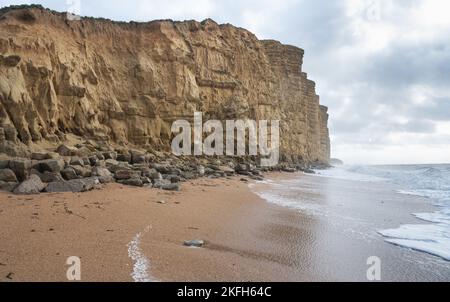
141 266
433 238
308 199
431 181
275 197
347 173
411 192
296 195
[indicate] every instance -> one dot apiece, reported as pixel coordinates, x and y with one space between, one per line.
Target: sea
429 181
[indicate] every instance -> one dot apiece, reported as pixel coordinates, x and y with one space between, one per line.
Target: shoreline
123 233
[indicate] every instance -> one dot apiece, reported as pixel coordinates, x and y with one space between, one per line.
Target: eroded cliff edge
124 84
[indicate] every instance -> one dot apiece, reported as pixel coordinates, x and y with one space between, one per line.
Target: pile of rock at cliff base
86 167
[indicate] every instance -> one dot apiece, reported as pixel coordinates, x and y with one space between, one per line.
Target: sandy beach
38 233
247 238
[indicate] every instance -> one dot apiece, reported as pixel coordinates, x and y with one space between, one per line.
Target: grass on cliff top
7 9
10 8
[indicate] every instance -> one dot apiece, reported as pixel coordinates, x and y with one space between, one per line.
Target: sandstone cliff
123 84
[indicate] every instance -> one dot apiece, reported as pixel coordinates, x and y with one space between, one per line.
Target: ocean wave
275 197
348 173
433 238
296 195
429 181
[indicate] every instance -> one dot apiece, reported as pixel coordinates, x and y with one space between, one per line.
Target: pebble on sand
194 243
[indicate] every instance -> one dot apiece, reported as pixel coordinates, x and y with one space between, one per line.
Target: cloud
437 109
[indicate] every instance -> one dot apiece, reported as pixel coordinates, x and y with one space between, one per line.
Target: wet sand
247 239
340 220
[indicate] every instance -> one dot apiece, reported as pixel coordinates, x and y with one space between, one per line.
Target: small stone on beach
171 187
194 243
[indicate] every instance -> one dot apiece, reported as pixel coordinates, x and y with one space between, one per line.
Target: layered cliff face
124 84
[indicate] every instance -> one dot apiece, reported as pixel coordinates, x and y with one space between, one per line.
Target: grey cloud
416 126
437 109
349 125
411 64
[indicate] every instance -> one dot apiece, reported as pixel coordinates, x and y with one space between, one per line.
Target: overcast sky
381 66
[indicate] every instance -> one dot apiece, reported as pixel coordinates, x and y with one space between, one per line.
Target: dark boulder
82 171
171 187
75 185
21 168
137 157
110 155
135 182
7 175
124 158
103 174
8 186
32 185
69 173
50 165
127 174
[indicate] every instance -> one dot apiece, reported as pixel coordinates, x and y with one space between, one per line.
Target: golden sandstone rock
126 83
